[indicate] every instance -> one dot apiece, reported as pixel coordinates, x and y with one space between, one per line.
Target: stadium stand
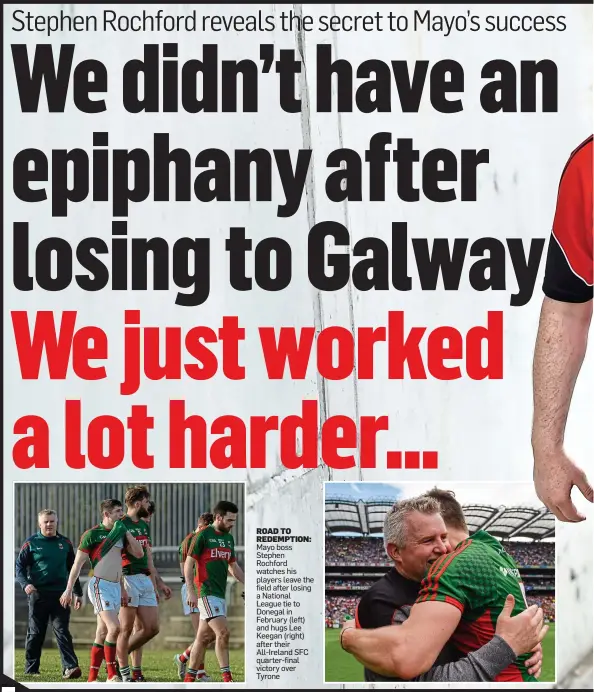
354 562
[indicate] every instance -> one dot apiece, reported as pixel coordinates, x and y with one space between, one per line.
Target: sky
496 494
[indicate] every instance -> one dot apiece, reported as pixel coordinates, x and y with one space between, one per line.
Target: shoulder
464 555
64 538
27 544
89 532
380 604
579 161
389 590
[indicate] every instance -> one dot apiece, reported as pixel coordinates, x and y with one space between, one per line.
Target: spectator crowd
337 607
369 552
357 584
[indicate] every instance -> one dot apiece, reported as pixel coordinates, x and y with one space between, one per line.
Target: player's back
477 578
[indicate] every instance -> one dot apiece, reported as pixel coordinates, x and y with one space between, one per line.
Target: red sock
227 677
185 657
136 673
110 659
190 676
96 660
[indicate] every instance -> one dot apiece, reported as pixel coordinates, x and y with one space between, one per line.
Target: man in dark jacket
42 569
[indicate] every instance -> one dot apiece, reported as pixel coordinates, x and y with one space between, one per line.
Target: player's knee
152 630
113 632
126 630
204 638
223 635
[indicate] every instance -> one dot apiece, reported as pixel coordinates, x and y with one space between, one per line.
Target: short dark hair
223 507
109 505
449 508
136 493
151 507
206 518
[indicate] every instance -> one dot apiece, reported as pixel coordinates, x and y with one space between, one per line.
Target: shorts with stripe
184 597
104 594
212 607
140 590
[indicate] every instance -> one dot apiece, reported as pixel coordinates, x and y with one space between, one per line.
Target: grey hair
395 524
46 512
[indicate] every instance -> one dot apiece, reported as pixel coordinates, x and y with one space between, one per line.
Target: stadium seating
354 563
370 552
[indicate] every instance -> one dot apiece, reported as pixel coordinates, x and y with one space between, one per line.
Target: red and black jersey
388 602
569 268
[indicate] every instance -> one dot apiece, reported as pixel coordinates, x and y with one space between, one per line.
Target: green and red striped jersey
476 578
213 551
184 546
99 540
140 530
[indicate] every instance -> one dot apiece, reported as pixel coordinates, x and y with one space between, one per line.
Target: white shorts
212 607
184 597
140 590
104 594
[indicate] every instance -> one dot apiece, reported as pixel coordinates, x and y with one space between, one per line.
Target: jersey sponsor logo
220 553
510 572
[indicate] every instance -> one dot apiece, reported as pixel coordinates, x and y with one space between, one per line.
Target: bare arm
237 572
188 576
410 649
558 357
158 581
133 546
77 565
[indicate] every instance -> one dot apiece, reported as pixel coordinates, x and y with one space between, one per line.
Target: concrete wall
481 429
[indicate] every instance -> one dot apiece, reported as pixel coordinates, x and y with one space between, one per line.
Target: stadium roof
365 518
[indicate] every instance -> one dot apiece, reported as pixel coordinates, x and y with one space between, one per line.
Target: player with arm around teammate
103 545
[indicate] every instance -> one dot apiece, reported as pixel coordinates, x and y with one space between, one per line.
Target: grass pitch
342 667
157 666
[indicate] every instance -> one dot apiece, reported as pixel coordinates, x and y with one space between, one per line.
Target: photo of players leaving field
120 582
419 583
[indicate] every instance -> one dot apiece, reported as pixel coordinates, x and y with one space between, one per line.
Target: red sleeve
569 267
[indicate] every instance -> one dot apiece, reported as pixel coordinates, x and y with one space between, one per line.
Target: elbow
406 670
408 666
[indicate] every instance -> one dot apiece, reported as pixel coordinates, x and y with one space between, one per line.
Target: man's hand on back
522 632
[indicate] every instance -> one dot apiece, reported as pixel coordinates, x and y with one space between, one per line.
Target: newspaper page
297 300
